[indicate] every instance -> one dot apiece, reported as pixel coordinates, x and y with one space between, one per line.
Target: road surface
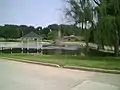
24 76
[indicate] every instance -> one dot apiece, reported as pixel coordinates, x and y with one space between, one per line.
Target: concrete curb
93 69
66 66
32 62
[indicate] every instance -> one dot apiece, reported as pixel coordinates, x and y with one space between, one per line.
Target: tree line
49 32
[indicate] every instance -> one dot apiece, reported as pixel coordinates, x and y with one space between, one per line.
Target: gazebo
31 35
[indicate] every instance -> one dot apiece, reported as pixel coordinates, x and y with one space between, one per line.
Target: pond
33 47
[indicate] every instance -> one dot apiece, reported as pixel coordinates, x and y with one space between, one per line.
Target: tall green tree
81 13
108 31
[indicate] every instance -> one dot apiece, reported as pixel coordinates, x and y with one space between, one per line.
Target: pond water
33 47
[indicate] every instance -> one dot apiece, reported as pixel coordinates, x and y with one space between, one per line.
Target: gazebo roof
31 35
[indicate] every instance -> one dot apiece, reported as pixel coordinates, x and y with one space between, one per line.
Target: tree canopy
103 17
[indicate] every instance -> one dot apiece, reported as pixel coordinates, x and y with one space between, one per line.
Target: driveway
24 76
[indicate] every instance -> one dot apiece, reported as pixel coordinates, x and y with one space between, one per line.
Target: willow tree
108 31
81 13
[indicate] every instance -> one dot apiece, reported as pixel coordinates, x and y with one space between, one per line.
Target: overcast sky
30 12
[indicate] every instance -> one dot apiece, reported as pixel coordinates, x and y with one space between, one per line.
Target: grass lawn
112 63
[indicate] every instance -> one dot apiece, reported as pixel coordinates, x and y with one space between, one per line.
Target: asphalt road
24 76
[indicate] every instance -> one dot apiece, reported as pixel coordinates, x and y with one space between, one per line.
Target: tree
39 28
81 13
15 31
44 32
53 27
108 12
52 35
10 31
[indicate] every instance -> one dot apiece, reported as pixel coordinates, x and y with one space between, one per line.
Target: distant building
68 38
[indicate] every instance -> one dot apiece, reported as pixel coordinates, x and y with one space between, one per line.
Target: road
24 76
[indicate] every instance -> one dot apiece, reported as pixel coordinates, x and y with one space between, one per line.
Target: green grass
112 63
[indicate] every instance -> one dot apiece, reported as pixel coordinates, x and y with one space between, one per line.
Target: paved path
23 76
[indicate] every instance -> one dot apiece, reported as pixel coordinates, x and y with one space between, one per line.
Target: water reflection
33 47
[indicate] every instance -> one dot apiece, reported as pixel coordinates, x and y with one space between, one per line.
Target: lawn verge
96 64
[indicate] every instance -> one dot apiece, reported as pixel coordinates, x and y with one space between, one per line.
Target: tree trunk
98 47
82 25
116 46
86 48
86 39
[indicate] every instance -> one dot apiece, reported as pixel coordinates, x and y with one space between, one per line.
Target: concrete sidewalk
24 76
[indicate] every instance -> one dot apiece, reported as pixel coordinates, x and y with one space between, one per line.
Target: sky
31 12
